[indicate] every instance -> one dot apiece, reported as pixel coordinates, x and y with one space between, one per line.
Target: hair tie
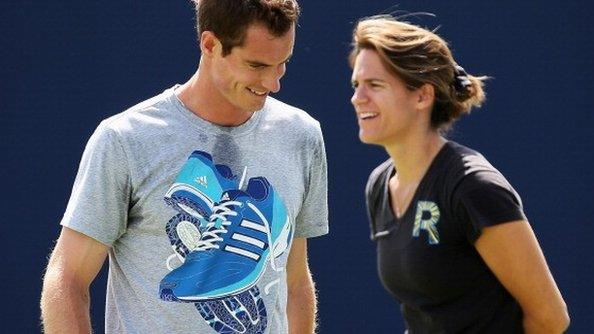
461 81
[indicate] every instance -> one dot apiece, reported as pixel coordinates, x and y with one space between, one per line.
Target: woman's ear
425 96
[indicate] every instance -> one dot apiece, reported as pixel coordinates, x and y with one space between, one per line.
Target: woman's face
386 108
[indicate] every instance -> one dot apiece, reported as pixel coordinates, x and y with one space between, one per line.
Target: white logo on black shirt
426 218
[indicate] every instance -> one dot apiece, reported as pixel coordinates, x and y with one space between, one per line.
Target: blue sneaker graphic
245 231
197 186
244 313
184 235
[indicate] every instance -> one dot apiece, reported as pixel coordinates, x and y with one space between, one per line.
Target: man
202 196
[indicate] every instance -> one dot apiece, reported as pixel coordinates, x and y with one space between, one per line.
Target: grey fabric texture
133 158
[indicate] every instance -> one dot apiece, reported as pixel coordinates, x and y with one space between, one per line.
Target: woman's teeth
367 115
257 92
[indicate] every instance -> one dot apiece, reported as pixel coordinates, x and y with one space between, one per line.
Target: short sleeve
98 205
370 203
485 199
375 203
312 219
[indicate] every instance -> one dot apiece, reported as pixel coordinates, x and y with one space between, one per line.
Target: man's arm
512 252
72 267
301 304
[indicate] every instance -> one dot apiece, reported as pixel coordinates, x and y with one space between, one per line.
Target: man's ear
209 44
425 96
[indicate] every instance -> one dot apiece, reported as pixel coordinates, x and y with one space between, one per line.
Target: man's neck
201 98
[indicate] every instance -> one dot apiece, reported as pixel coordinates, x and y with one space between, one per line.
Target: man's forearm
302 309
64 307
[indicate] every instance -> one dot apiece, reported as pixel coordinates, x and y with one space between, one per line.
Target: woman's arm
513 254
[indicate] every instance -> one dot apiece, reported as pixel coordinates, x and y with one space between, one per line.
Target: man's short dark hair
229 19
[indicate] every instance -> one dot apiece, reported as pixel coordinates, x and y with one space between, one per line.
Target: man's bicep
77 257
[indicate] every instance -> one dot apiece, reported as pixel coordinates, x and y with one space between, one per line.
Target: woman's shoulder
464 161
378 176
473 170
380 171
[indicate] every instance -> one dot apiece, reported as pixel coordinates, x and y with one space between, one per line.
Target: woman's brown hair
419 56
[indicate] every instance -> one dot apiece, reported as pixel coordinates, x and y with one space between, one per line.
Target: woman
454 247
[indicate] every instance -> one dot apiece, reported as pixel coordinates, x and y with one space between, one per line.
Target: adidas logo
225 197
257 231
202 180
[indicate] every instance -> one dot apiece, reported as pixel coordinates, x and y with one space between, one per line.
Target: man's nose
272 81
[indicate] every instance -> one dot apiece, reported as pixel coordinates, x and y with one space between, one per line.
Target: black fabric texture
427 259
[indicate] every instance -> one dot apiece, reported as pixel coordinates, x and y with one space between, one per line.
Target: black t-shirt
427 259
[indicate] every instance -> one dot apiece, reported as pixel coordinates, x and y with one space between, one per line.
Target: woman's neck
412 156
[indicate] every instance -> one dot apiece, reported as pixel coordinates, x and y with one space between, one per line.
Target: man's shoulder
147 112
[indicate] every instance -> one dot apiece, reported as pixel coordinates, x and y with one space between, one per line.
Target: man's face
251 71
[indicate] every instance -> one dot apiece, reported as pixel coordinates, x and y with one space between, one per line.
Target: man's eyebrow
261 64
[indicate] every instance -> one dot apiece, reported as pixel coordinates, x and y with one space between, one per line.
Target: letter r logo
426 218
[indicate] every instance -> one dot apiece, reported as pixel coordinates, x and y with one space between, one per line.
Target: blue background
67 65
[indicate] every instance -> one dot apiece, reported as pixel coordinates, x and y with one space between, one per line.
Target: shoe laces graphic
190 234
217 225
232 201
211 236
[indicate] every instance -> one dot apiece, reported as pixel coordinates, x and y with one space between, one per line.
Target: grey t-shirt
136 193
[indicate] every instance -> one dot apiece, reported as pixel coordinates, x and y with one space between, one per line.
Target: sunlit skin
386 108
225 90
398 118
228 89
